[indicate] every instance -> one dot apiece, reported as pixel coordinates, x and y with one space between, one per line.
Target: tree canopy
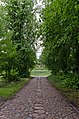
60 30
17 37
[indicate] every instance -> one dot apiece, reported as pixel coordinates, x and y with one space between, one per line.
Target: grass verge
11 89
71 93
38 72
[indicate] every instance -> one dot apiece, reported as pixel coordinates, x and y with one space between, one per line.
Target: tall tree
61 37
19 35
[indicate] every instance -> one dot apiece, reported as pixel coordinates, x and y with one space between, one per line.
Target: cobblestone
38 100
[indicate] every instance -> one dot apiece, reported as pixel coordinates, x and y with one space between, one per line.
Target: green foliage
71 81
67 82
61 42
68 85
10 89
8 57
17 36
61 36
26 59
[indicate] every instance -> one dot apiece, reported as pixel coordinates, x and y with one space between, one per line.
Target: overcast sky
38 5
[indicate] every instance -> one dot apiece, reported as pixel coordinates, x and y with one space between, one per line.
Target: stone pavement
38 100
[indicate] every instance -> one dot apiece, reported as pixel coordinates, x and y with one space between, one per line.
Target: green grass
71 93
56 82
42 72
11 89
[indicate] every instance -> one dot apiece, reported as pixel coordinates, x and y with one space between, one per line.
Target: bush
71 81
68 81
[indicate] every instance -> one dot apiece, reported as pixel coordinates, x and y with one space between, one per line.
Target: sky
38 5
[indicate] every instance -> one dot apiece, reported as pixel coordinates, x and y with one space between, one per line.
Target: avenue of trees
60 31
17 36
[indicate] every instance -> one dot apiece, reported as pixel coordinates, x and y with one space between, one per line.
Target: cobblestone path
38 100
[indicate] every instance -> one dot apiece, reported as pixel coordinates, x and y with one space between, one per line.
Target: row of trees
60 30
17 36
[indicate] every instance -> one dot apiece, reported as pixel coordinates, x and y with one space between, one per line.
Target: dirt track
38 100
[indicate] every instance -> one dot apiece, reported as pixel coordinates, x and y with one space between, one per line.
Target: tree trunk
77 57
9 75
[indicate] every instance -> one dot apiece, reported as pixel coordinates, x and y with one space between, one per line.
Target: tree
61 38
21 21
8 58
17 38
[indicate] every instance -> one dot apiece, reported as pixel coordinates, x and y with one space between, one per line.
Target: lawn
11 89
40 72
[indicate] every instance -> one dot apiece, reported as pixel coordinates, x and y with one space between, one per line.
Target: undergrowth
68 84
7 90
